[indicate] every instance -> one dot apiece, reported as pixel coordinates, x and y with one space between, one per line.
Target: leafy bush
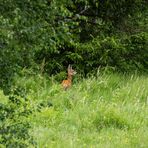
48 35
14 126
125 54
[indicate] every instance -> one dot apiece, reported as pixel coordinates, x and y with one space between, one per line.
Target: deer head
71 72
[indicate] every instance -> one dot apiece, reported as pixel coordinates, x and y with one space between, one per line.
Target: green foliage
14 126
48 35
40 38
124 54
112 119
107 110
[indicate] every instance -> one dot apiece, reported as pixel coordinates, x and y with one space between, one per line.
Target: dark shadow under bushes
123 54
128 53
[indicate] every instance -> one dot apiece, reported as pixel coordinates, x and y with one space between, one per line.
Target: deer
68 82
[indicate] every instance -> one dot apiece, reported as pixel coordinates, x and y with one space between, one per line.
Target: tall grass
108 111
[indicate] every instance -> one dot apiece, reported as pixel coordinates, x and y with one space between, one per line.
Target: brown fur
68 82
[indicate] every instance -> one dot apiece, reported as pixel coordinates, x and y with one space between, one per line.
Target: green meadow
107 111
105 42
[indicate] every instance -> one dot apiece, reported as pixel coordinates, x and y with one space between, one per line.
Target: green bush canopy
47 35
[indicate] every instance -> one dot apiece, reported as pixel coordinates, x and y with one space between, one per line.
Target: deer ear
69 67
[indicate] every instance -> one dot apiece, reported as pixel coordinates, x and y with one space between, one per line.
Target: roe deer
67 83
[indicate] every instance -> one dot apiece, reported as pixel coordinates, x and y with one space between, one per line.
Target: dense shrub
14 126
125 54
48 35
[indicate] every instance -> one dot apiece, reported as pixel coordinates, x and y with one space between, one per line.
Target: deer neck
69 78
